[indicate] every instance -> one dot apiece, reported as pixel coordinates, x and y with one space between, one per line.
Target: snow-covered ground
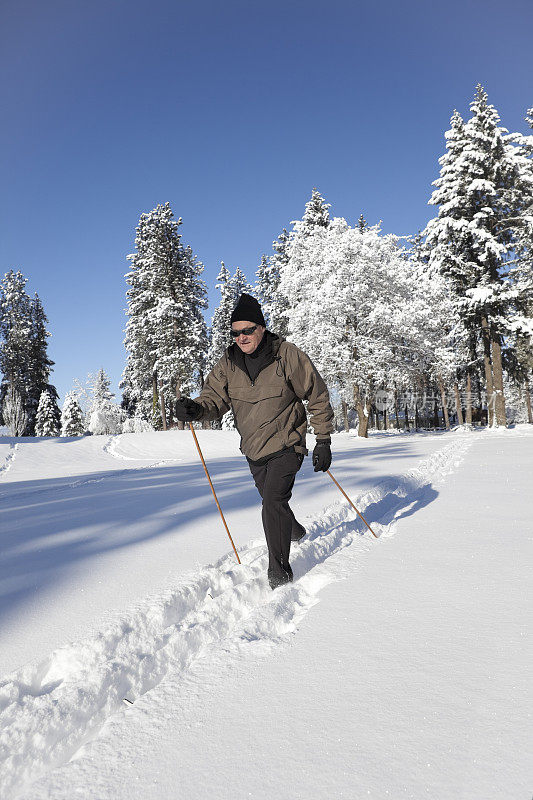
395 667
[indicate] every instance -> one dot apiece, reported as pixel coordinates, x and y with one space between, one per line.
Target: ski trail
8 463
49 710
110 447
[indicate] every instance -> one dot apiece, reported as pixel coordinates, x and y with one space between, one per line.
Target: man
264 379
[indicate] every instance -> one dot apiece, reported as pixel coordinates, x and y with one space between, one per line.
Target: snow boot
276 579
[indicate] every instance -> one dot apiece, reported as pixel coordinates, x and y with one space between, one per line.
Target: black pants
274 481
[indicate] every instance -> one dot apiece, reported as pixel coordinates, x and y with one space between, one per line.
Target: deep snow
407 679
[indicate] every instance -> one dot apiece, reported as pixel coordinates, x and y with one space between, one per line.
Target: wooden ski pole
178 395
352 505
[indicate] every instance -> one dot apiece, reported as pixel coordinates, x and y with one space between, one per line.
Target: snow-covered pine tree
263 286
101 389
520 360
15 339
362 223
239 284
106 417
316 213
165 333
495 195
274 305
276 302
449 243
48 418
219 336
40 364
72 417
471 241
24 359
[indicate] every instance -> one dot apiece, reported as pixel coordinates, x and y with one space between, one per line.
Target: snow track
8 463
49 710
111 448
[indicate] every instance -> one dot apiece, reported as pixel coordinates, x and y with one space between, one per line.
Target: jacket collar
236 356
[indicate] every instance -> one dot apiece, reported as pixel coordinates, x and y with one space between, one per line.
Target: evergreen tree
40 364
471 241
219 335
520 366
268 279
72 417
238 285
362 223
263 286
316 213
24 360
105 417
16 337
101 391
165 332
48 418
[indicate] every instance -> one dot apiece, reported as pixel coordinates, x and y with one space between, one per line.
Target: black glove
322 456
187 410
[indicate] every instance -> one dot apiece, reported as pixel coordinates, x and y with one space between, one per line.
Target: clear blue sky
232 111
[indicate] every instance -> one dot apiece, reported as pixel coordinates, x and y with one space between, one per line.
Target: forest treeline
428 331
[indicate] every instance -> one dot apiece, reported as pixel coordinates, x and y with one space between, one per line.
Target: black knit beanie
248 310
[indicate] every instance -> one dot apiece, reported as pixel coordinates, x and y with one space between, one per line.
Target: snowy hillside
392 667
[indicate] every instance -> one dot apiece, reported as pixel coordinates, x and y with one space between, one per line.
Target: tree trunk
163 409
468 399
497 375
444 404
417 418
458 408
488 370
181 424
345 416
528 403
385 428
406 417
396 410
155 398
363 412
435 415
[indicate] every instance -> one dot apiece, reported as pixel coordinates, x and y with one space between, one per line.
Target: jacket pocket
254 394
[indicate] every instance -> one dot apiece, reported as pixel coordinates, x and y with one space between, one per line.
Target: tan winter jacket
269 413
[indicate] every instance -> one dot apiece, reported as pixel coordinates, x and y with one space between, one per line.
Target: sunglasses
245 331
